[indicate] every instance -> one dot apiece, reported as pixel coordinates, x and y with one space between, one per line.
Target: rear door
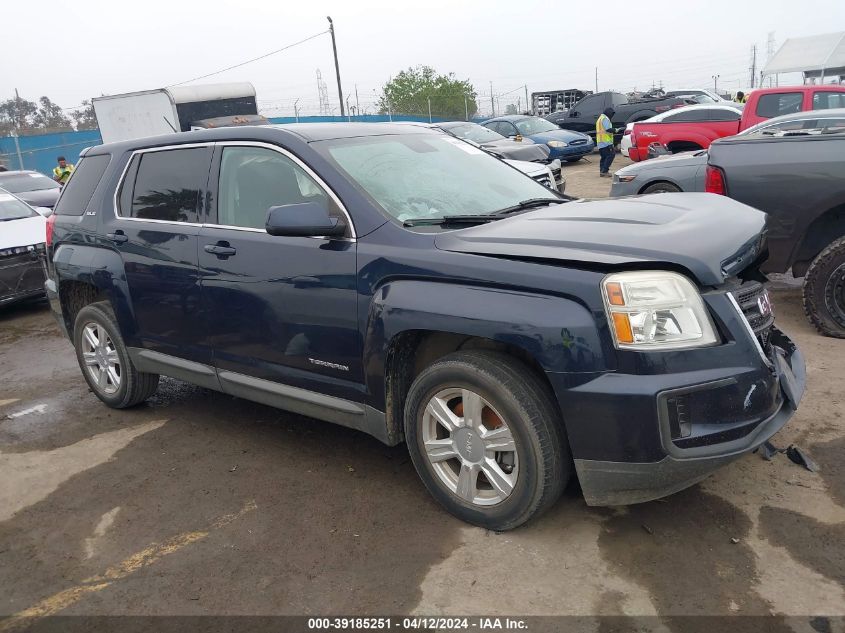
157 219
279 309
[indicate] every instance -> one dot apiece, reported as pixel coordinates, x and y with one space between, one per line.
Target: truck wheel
661 187
486 438
104 360
824 290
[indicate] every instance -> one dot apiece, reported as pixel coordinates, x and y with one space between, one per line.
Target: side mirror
306 219
573 114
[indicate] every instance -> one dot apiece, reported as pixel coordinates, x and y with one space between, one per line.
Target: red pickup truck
695 127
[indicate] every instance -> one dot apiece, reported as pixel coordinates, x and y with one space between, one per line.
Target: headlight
622 178
656 310
556 144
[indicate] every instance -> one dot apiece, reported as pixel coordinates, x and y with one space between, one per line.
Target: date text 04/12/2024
416 624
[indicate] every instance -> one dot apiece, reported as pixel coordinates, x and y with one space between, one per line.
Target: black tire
532 417
135 386
824 290
661 187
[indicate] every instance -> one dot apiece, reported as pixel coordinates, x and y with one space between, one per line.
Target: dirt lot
199 503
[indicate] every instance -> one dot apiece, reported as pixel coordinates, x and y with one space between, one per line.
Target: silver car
664 174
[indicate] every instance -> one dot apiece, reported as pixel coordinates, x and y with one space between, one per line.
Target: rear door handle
118 237
221 249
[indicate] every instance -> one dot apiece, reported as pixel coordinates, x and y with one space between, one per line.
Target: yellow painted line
147 556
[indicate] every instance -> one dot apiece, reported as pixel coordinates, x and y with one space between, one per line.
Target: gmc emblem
764 304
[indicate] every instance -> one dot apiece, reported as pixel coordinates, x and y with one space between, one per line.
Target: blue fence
40 152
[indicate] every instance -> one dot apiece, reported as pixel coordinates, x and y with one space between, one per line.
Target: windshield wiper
452 219
528 204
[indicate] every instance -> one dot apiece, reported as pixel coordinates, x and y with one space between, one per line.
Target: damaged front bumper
714 433
21 275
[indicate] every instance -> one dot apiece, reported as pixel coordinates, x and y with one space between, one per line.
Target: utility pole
753 72
429 108
466 108
336 66
492 105
357 103
18 127
597 79
296 111
715 83
528 105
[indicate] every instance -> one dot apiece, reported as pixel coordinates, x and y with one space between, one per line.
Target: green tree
84 117
18 114
49 116
411 90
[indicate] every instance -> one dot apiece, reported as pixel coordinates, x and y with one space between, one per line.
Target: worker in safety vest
741 97
604 141
62 171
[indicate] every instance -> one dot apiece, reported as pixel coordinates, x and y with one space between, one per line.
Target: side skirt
309 403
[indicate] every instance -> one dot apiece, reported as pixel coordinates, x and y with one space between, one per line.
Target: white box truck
175 109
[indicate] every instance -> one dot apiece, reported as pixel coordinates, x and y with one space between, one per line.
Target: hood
23 232
524 150
682 229
42 198
668 161
527 167
558 135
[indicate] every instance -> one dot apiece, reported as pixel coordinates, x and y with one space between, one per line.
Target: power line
254 59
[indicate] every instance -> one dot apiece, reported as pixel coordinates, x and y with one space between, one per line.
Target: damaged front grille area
753 299
21 273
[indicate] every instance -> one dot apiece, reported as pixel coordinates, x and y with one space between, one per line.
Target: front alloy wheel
486 438
470 447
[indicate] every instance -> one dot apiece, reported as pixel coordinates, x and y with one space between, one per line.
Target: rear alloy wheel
824 290
104 359
486 438
661 187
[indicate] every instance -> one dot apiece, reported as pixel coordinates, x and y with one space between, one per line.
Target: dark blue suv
400 281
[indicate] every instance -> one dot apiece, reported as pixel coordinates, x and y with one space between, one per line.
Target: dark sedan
566 145
32 187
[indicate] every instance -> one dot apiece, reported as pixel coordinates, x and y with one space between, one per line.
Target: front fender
101 268
559 334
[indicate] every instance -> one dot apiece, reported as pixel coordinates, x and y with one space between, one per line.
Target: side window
828 100
166 185
772 105
253 179
589 105
724 114
699 114
80 188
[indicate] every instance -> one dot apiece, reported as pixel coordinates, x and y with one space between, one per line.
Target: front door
279 309
155 231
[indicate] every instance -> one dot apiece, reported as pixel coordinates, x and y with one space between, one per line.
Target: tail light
714 181
626 132
48 238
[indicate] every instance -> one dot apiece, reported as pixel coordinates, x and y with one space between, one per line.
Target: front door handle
221 249
118 237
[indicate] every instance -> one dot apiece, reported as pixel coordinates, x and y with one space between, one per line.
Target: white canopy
815 55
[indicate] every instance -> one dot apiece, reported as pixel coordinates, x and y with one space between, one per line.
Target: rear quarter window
828 100
80 188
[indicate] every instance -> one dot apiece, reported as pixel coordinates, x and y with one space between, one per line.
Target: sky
91 47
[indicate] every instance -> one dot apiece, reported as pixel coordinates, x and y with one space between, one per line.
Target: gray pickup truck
798 178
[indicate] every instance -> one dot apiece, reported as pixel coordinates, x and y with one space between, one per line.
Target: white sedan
22 235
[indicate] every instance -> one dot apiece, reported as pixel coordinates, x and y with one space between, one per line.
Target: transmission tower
323 94
770 51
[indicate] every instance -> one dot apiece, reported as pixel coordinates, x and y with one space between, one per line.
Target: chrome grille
753 300
578 141
544 180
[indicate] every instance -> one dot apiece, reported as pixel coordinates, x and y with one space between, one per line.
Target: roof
512 117
307 132
19 172
817 53
190 94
